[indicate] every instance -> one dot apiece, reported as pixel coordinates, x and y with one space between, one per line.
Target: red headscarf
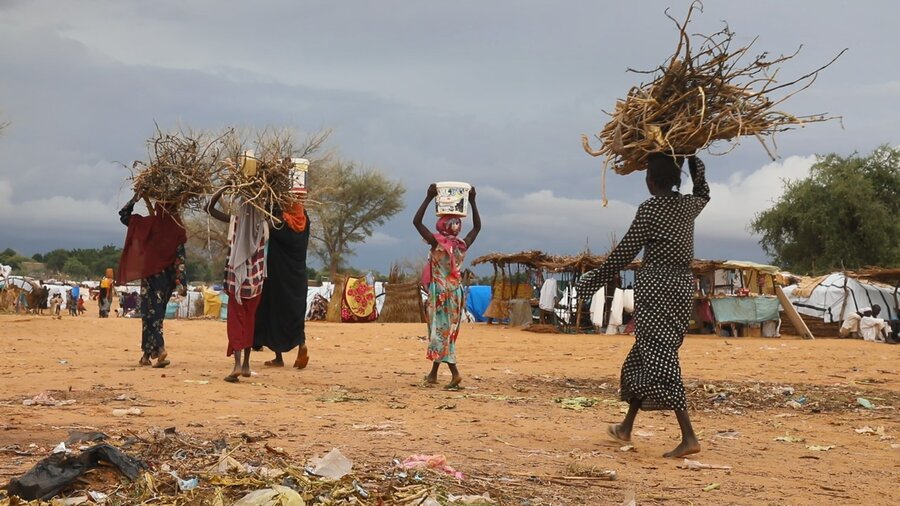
448 228
295 218
150 245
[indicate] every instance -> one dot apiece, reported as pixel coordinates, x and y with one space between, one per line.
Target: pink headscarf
448 240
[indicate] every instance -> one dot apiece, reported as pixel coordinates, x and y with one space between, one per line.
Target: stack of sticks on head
181 170
262 177
703 93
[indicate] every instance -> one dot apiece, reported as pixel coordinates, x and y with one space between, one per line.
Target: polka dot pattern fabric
664 228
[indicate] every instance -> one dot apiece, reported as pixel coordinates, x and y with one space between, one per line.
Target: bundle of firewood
181 169
705 92
262 176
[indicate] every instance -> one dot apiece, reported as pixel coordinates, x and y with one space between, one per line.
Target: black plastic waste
52 474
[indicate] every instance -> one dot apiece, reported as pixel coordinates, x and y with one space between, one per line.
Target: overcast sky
496 93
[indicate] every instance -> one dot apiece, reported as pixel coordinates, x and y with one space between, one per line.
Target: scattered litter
431 501
185 485
869 430
63 362
45 399
790 439
275 496
819 448
334 465
449 405
198 382
54 473
470 499
85 437
576 403
60 448
626 448
695 465
98 497
793 404
644 433
436 462
727 434
895 446
711 487
787 390
866 403
342 396
78 500
127 411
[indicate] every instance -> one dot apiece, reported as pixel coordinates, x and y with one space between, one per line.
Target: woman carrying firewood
664 228
153 253
281 316
443 280
245 272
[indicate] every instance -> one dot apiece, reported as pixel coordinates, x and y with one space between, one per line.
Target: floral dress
446 300
155 293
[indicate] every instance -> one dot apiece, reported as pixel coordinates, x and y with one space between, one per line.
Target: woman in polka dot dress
664 228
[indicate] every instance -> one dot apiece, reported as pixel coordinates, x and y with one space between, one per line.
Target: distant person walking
664 289
443 280
106 293
153 253
245 273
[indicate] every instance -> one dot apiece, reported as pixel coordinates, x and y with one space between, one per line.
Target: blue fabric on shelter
223 313
745 309
477 299
171 310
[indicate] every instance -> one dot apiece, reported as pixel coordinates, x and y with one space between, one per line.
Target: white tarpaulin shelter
825 297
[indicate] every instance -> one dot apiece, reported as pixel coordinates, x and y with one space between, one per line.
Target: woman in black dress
664 228
281 316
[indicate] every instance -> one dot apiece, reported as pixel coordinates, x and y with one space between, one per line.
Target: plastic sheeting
477 299
826 300
745 309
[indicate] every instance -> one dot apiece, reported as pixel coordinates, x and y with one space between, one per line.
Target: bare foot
245 371
455 381
145 360
302 357
274 363
431 379
687 447
232 379
617 434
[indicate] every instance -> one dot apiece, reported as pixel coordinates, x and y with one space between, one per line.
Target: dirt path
362 393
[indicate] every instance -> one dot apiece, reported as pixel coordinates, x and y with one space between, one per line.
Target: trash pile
168 467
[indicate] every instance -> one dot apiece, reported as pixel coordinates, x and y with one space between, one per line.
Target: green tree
352 203
844 215
12 258
75 268
56 259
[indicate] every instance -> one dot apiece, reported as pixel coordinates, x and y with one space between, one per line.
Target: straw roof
531 258
889 276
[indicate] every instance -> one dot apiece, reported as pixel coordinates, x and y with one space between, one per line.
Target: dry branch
269 188
180 170
705 92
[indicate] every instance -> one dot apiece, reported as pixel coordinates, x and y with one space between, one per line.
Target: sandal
302 358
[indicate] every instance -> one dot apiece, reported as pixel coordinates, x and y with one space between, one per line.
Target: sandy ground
505 427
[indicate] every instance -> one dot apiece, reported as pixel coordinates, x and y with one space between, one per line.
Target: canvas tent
832 297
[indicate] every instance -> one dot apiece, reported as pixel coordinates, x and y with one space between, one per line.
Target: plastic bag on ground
55 472
275 496
333 465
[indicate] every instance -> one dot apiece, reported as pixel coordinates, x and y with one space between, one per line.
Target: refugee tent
477 299
831 298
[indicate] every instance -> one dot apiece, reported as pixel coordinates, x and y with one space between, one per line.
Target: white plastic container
298 175
452 198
